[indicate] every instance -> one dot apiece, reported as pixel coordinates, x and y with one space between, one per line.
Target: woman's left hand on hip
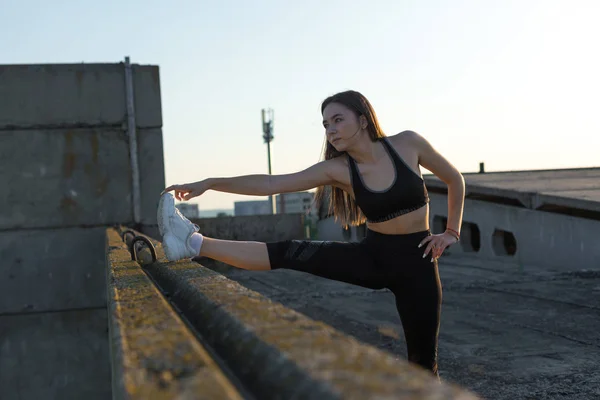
436 244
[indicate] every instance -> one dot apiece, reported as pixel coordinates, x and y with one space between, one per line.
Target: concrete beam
279 353
76 95
154 355
575 199
525 199
578 189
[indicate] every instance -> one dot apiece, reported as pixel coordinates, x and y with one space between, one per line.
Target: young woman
374 179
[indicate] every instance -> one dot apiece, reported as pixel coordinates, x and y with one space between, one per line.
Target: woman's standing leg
419 300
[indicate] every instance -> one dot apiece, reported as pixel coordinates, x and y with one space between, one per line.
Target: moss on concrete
154 355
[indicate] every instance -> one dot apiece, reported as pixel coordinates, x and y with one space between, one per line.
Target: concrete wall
66 175
500 232
262 228
535 238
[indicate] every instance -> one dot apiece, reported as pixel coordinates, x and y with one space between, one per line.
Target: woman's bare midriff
415 221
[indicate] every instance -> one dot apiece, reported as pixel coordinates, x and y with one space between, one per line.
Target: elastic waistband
403 237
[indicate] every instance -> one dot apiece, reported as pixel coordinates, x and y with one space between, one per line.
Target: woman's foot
176 231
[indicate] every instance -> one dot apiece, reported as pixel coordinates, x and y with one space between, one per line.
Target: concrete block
76 95
154 355
61 355
75 177
279 353
65 178
52 269
262 228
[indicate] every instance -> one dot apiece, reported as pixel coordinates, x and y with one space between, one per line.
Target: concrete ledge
576 188
153 353
279 353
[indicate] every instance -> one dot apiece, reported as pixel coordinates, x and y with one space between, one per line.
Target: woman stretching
374 179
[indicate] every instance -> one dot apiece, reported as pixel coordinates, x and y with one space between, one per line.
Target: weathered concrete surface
76 177
54 356
89 95
154 355
47 270
254 227
279 353
505 334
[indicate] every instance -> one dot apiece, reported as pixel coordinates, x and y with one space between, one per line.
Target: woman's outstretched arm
319 174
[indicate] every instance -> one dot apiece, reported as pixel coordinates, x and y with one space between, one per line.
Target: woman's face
341 125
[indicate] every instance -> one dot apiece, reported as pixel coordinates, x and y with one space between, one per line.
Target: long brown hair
341 204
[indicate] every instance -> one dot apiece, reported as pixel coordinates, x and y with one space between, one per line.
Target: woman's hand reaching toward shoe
188 191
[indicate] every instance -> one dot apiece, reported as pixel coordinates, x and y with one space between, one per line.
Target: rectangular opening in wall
470 237
504 243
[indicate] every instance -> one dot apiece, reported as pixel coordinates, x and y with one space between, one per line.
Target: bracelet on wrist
453 233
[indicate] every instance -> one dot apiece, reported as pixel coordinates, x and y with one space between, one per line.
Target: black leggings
379 261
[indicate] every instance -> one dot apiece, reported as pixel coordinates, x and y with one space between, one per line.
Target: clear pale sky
514 84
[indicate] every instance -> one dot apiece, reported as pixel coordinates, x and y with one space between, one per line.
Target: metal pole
133 148
269 155
271 197
268 137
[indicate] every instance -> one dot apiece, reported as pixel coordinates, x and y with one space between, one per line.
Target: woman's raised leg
342 261
241 254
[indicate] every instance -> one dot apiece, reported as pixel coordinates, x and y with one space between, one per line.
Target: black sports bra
407 193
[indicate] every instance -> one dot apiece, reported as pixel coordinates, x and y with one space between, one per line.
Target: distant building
189 210
252 207
215 213
293 203
296 203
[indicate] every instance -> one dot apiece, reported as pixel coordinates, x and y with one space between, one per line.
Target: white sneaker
175 229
